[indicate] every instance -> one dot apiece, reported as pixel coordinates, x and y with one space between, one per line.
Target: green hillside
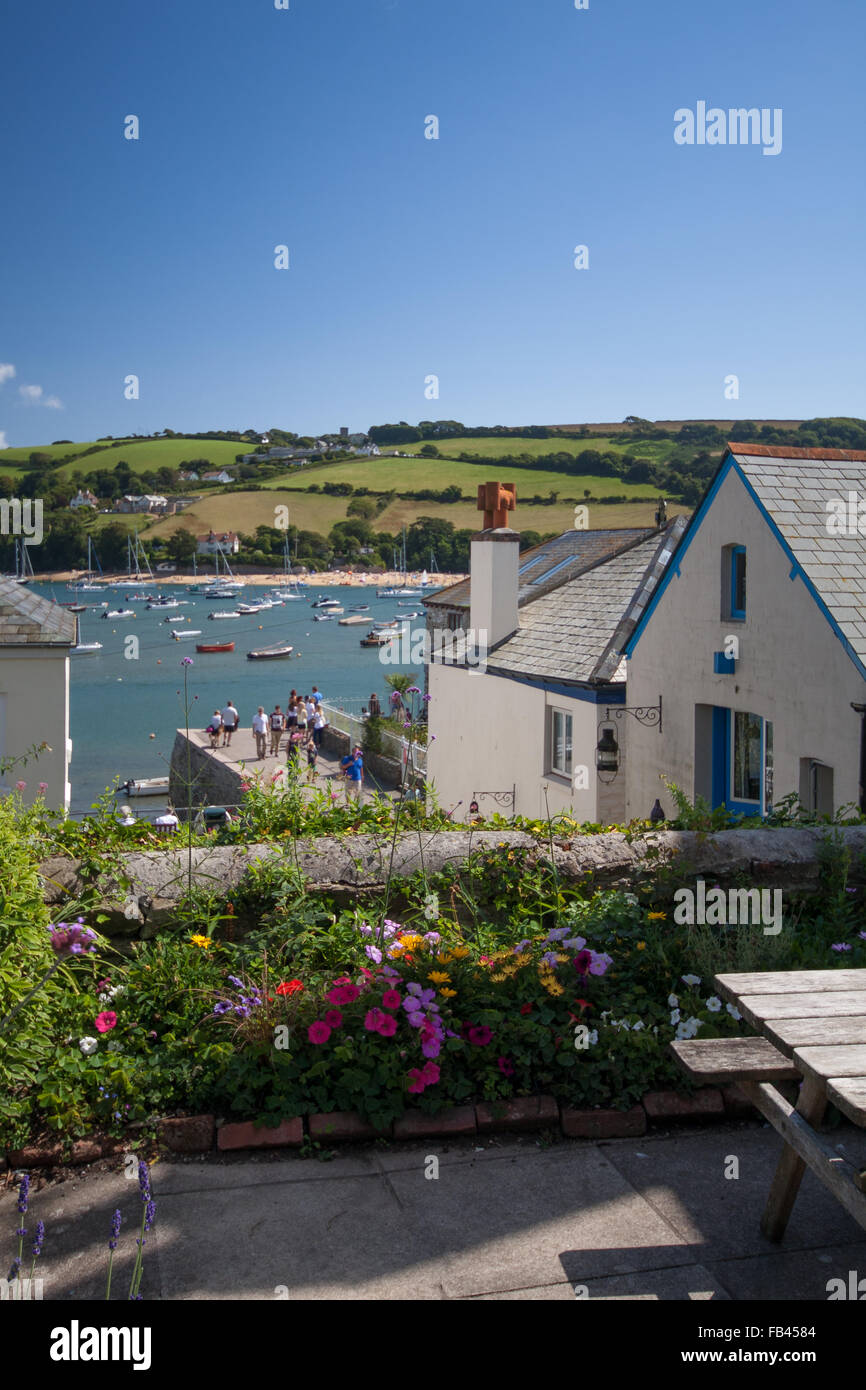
413 475
658 451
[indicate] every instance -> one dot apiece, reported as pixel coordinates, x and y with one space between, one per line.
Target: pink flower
42 788
318 1032
505 1066
388 1026
334 1018
375 1018
19 786
480 1037
416 1082
430 1073
343 994
105 1022
391 999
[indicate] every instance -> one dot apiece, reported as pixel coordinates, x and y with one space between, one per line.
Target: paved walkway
509 1218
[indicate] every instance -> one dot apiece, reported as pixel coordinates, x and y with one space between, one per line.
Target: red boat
215 646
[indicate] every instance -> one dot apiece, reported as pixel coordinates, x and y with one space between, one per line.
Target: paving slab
684 1181
686 1283
791 1274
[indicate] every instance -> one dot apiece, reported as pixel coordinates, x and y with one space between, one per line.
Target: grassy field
656 450
144 455
244 511
21 453
382 474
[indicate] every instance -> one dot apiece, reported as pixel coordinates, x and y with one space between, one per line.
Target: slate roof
576 632
26 620
795 487
551 564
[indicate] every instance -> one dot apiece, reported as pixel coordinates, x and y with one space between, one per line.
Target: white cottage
35 640
517 731
756 640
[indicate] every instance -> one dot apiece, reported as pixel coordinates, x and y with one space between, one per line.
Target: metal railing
393 744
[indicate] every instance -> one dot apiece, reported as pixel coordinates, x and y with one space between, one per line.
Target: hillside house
221 477
226 543
84 498
756 640
35 640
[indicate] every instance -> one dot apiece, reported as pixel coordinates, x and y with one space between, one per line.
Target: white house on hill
227 543
756 640
35 640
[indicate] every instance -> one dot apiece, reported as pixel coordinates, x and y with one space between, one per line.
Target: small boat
141 598
387 626
259 607
85 649
190 632
350 622
176 620
221 591
119 613
270 653
377 639
326 603
75 607
162 603
285 596
359 608
214 646
223 613
324 617
144 786
407 617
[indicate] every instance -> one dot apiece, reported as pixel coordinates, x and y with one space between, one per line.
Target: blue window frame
738 582
742 762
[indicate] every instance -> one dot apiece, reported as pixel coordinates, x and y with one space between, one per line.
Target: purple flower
233 980
862 935
40 1236
557 934
374 954
149 1214
427 697
115 1230
521 945
412 690
187 661
414 988
549 958
13 1273
431 1047
72 939
840 946
144 1180
222 1007
415 1020
23 1192
600 963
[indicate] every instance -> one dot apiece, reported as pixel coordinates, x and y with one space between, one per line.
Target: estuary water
124 710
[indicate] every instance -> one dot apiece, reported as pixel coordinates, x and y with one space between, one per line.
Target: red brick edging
200 1133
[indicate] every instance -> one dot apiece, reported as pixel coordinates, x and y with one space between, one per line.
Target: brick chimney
494 562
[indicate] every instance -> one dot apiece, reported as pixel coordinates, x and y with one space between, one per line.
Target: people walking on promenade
312 750
316 695
260 729
320 723
292 712
353 771
277 723
230 718
375 707
214 728
301 710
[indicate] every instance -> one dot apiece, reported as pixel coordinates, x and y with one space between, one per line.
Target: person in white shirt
311 709
260 729
214 727
278 723
302 713
230 718
319 725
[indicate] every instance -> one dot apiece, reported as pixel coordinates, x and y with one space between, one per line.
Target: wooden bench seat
716 1061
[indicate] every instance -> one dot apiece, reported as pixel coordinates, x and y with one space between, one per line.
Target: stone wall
213 783
144 894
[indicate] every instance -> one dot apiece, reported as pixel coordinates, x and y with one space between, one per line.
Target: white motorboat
86 649
119 613
326 603
143 786
177 620
187 632
225 613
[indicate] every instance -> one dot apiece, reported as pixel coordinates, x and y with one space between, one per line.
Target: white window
559 756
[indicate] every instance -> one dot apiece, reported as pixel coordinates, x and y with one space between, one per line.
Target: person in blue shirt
353 771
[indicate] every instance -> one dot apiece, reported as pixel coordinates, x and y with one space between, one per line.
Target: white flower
714 1004
130 910
691 979
675 1015
636 1027
88 1046
673 1001
431 908
733 1011
682 1032
631 898
692 1025
593 1037
114 1046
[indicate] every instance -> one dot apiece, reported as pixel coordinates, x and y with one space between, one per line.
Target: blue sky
411 257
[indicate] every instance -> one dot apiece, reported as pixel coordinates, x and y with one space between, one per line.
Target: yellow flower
199 940
563 958
553 987
656 916
641 945
439 977
500 975
448 993
445 958
412 943
459 952
523 959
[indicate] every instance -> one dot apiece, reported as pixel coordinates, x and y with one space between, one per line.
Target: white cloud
34 395
6 371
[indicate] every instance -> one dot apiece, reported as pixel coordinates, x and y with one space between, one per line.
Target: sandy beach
346 578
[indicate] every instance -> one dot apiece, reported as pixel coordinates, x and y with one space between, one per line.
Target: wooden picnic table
813 1027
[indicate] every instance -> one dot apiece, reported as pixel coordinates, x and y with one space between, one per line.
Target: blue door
742 762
